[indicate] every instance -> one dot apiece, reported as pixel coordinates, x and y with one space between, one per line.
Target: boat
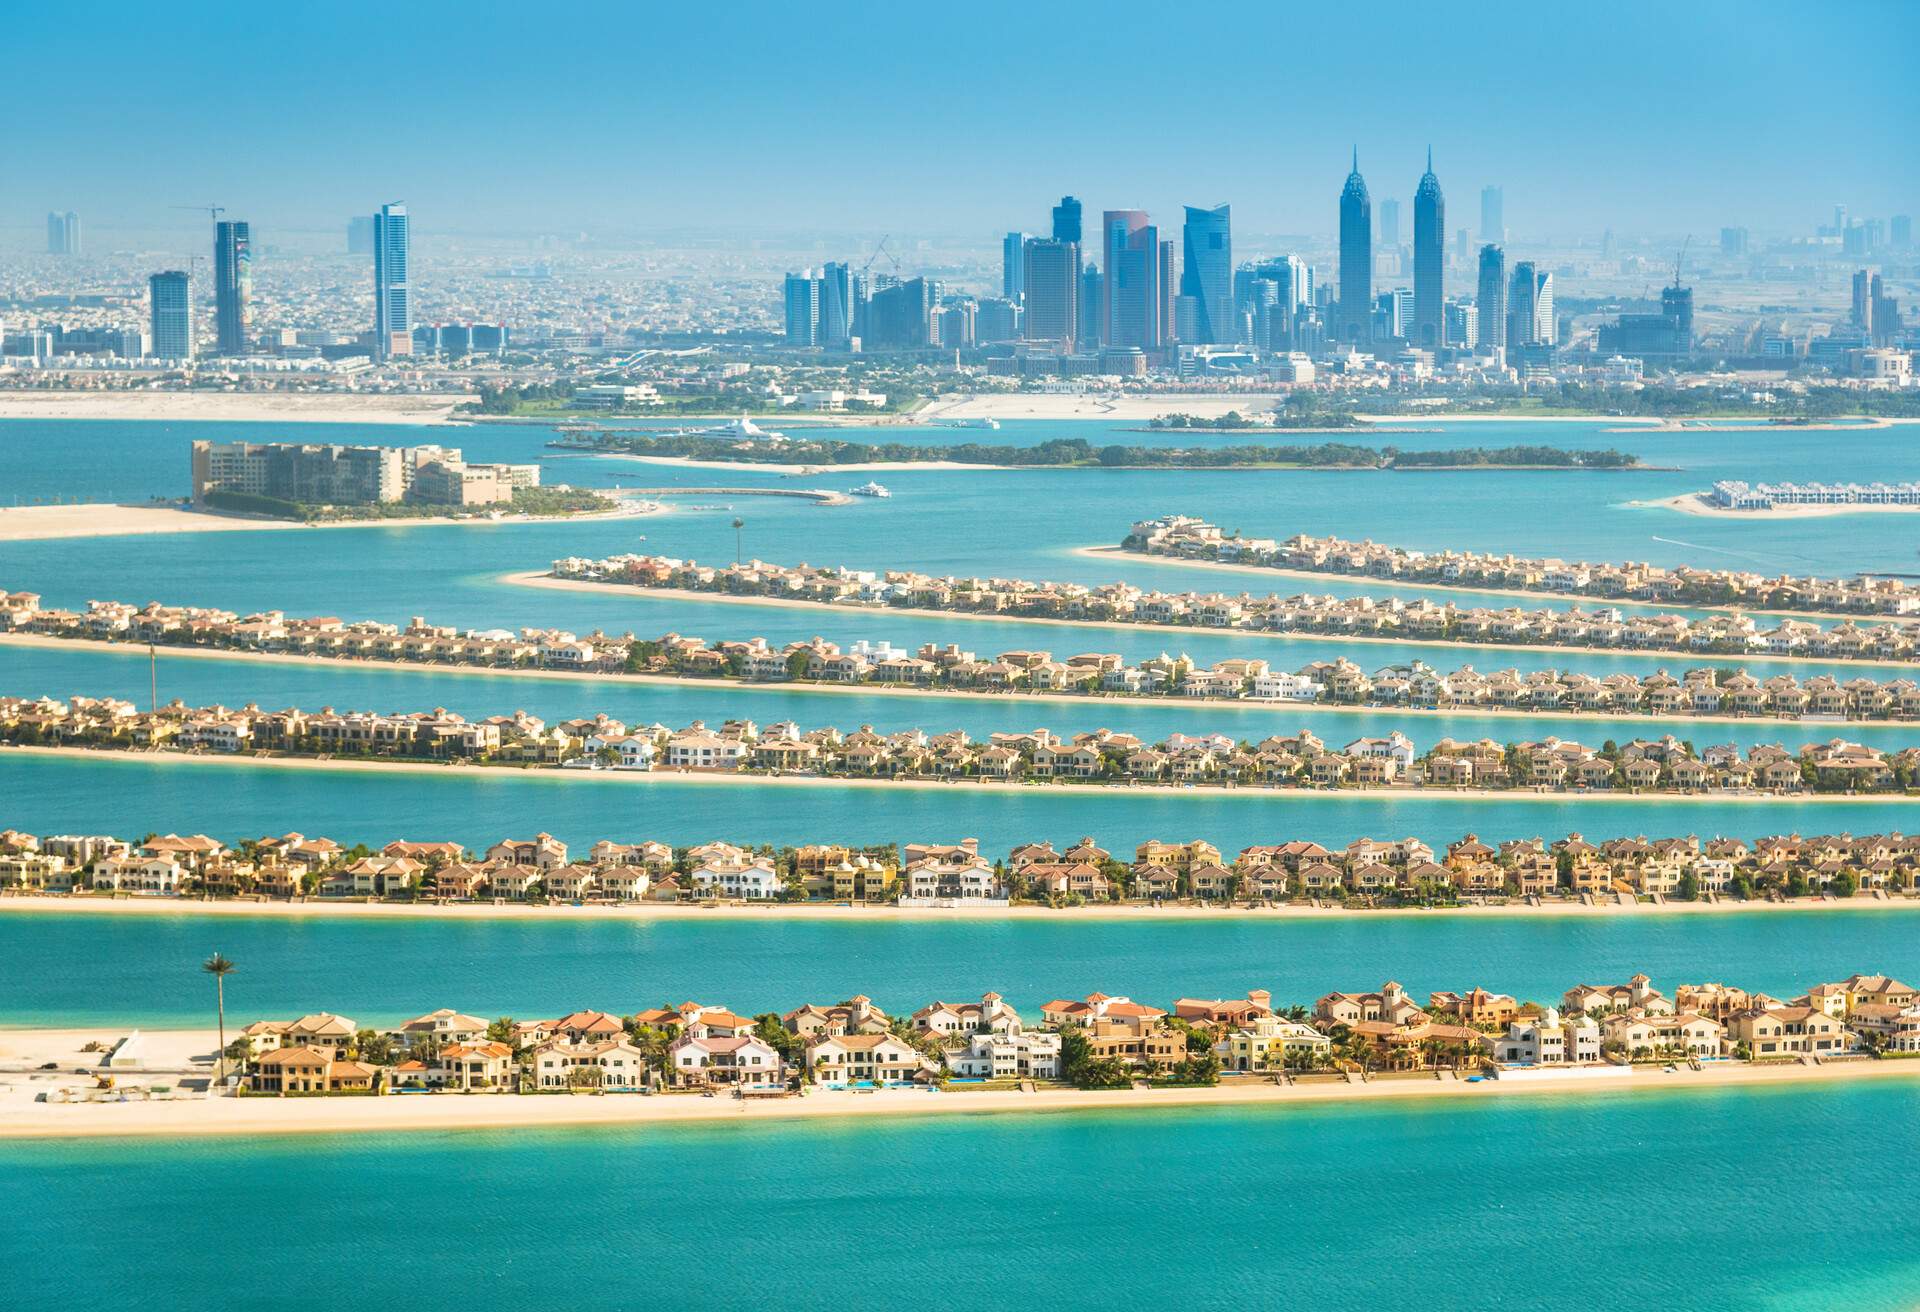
742 427
969 423
869 490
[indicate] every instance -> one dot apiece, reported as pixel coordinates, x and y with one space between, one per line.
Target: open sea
1761 1199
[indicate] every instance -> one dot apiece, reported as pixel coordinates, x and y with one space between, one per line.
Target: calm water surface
983 1209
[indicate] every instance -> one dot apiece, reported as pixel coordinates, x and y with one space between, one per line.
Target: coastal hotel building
310 474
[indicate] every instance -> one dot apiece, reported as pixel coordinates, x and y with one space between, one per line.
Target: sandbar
101 519
1696 503
267 407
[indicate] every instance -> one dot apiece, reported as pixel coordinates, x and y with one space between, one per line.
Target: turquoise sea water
1633 1202
1745 1200
130 794
90 969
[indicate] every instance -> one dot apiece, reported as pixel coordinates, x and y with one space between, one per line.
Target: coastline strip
543 579
261 1116
34 904
1362 796
1111 554
134 649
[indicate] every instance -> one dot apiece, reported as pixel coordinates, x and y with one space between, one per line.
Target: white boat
742 427
869 490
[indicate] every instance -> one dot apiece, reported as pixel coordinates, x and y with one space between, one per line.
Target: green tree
220 967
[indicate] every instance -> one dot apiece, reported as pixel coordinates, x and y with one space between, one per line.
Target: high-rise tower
1131 248
392 294
1492 301
1066 220
1429 261
232 285
1354 317
1205 308
170 307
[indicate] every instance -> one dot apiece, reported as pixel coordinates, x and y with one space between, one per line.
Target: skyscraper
900 317
1863 300
1131 252
1168 283
1493 298
1429 262
1354 318
170 310
1051 272
1530 320
1900 229
1387 215
1206 277
1093 306
392 295
836 307
360 235
1012 249
63 233
1493 226
801 297
232 285
1066 220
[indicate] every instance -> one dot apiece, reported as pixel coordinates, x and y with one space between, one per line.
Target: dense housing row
1185 535
1705 691
1351 617
1099 1041
1369 871
1036 756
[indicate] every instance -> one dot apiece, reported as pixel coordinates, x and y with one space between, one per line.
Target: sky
957 119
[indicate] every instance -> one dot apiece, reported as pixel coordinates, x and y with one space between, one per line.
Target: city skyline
1648 162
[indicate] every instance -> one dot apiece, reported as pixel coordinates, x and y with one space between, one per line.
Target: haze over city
947 122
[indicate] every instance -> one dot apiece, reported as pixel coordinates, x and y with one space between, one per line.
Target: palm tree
220 967
738 524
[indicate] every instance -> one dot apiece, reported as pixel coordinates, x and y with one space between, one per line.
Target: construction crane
1681 258
213 212
879 250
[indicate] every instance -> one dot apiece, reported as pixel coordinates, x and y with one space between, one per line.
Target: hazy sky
960 118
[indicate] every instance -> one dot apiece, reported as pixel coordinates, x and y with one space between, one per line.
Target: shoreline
136 649
1106 553
266 1115
963 783
543 579
1696 503
110 519
40 904
232 407
786 470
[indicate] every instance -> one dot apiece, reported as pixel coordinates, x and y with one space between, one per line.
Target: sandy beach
23 1117
30 904
1119 554
1696 503
541 579
100 520
136 650
724 779
257 407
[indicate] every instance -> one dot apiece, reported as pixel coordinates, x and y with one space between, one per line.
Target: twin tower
1353 317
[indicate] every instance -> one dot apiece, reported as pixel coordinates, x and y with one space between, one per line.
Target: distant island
1078 453
329 483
